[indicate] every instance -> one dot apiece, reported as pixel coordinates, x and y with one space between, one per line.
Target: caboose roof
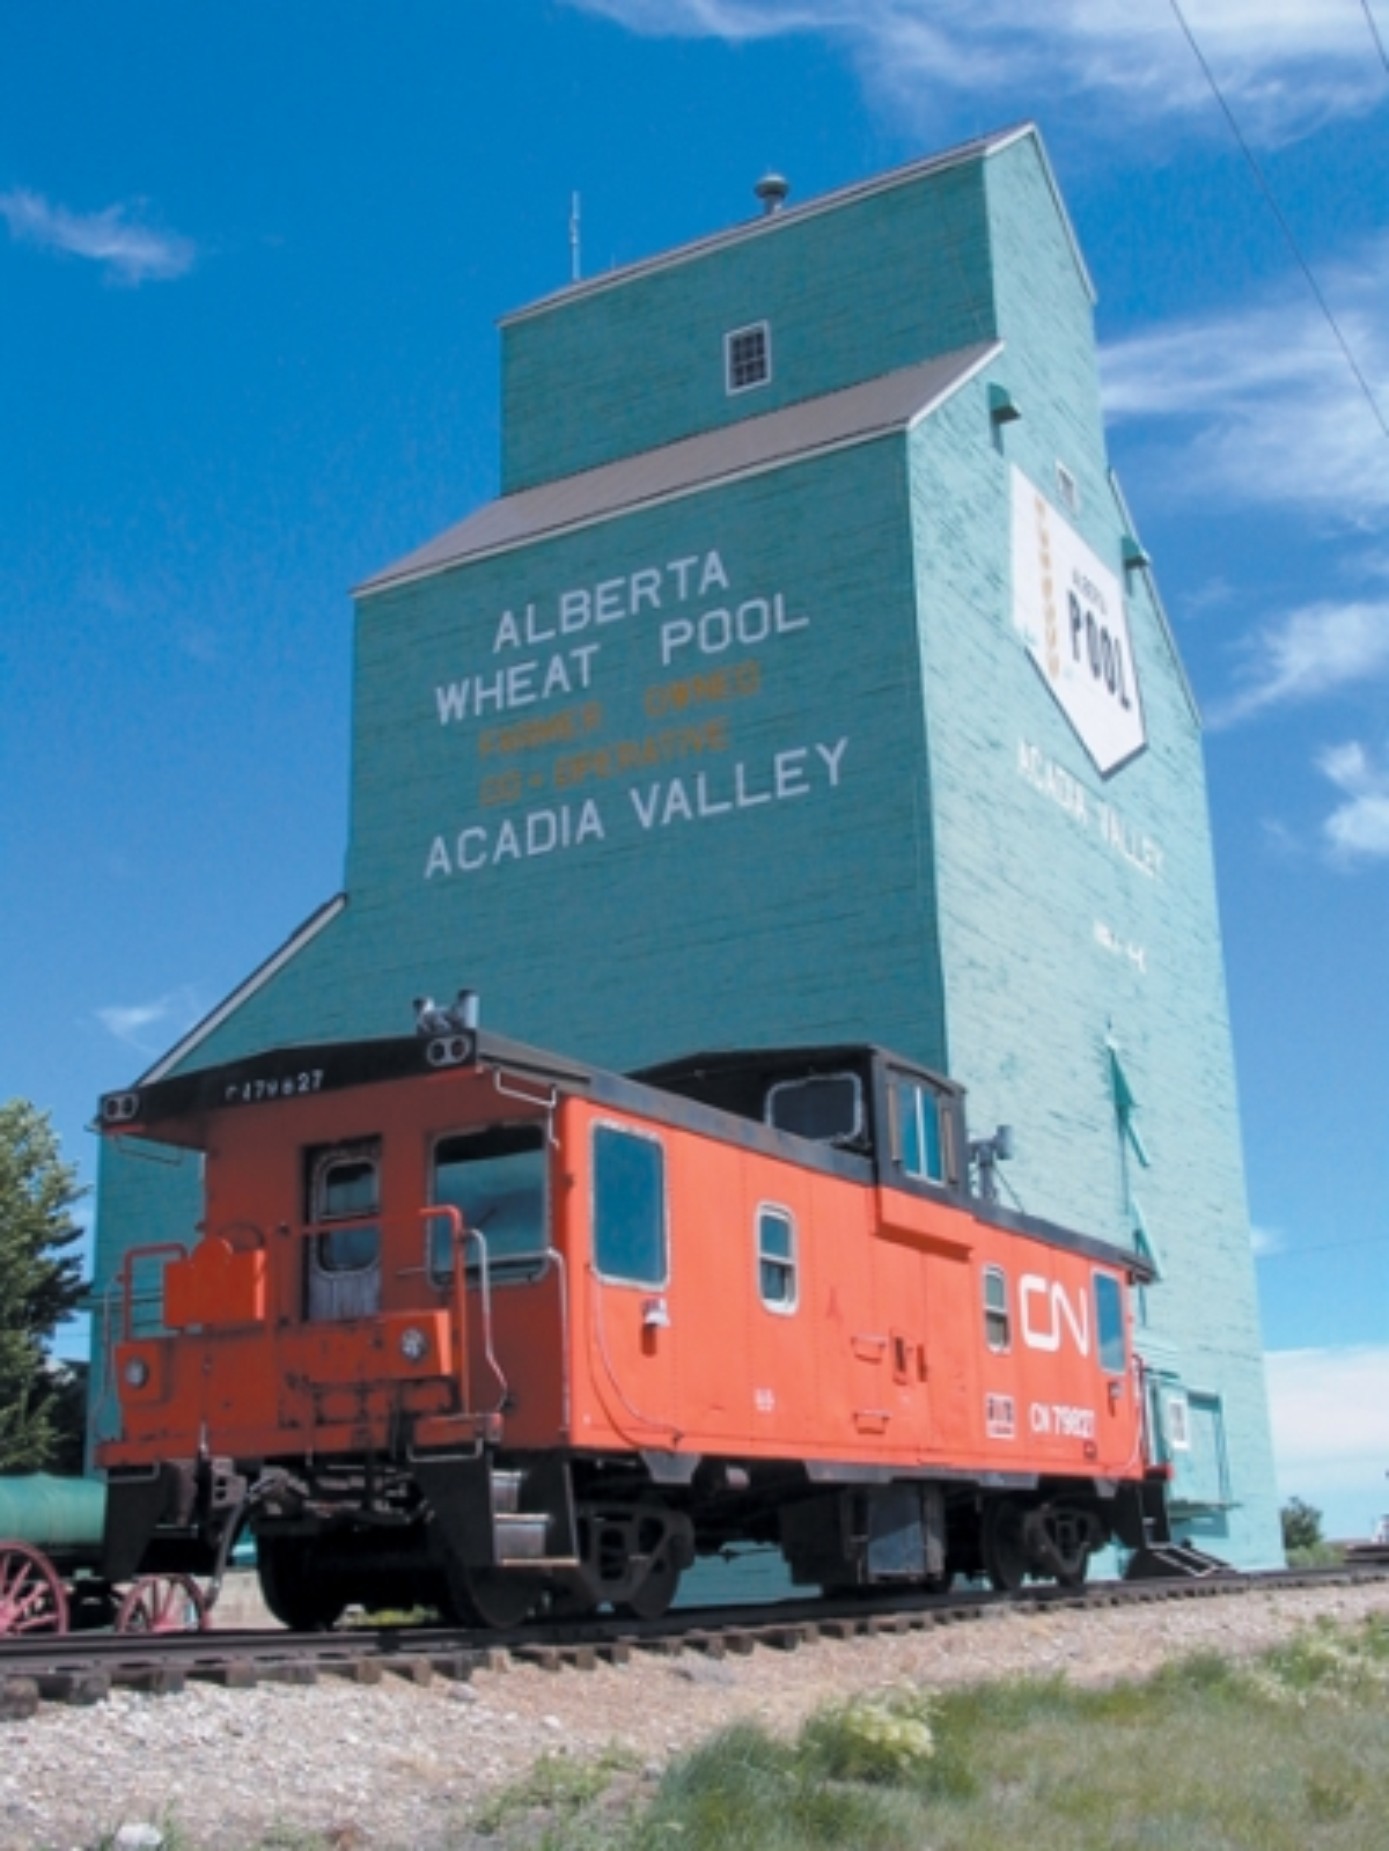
178 1110
177 1106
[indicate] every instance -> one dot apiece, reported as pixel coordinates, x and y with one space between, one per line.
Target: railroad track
84 1668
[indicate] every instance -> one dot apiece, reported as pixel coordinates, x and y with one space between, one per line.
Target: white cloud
151 1027
1330 1419
1285 65
1318 650
129 251
1358 828
1261 403
1258 408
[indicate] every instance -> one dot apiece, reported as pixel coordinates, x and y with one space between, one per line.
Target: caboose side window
776 1259
1109 1323
629 1206
496 1179
997 1323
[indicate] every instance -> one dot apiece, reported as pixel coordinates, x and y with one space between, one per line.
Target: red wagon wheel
163 1603
32 1598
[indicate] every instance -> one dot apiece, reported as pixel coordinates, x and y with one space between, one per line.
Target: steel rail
83 1668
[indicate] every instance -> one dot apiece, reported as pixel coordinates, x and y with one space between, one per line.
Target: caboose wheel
651 1598
1074 1574
1005 1548
299 1597
163 1603
32 1598
491 1596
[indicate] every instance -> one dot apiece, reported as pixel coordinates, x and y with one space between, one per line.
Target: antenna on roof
575 267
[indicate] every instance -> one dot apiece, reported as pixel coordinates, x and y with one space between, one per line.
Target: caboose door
343 1249
631 1332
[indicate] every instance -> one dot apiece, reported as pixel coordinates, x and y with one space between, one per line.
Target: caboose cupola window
919 1128
825 1106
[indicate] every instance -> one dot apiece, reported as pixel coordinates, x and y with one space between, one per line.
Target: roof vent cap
772 189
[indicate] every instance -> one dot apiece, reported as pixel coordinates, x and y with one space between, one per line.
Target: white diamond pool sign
1069 610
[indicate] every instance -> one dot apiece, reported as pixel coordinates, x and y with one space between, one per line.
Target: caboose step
1174 1560
520 1535
543 1564
506 1492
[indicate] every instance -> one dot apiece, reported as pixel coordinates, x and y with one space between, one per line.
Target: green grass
1288 1753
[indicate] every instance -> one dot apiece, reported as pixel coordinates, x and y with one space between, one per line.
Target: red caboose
469 1324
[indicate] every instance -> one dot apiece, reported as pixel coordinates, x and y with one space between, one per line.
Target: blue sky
251 261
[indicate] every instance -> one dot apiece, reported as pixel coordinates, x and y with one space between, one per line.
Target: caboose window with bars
345 1188
343 1253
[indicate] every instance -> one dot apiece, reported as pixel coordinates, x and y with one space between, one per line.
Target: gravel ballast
398 1766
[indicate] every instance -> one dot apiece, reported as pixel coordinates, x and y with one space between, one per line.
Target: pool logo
1069 610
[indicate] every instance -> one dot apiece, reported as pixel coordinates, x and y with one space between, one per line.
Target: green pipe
61 1516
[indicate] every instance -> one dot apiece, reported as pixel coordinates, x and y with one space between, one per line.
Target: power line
1277 211
1374 32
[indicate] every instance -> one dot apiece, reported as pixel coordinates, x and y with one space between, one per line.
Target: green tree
1301 1524
40 1281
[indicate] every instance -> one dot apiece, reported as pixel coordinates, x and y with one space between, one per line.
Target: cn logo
1049 1311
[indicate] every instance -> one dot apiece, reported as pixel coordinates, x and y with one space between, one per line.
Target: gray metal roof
812 427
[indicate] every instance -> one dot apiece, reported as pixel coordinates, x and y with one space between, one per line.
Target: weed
884 1739
556 1791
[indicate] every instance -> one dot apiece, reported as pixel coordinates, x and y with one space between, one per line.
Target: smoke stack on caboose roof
772 189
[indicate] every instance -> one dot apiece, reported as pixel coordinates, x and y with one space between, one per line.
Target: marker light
136 1372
